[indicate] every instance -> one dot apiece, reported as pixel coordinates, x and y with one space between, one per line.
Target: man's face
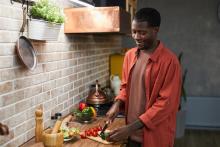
143 34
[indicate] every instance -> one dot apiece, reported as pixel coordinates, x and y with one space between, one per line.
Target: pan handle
24 20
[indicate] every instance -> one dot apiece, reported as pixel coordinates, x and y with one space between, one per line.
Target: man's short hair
150 15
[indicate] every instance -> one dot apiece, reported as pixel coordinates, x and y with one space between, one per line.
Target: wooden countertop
77 142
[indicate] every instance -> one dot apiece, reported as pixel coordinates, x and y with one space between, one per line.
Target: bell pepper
82 106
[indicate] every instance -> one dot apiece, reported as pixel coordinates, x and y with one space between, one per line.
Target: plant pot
180 123
43 30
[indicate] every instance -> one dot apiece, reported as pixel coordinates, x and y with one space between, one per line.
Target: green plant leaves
46 10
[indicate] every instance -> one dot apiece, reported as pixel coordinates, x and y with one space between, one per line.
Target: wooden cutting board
99 139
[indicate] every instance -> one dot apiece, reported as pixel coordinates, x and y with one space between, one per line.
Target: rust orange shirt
163 89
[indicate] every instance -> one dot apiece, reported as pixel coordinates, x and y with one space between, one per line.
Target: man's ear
156 29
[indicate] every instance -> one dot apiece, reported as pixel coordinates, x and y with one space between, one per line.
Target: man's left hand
119 134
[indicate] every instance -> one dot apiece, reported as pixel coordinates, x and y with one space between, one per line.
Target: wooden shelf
131 7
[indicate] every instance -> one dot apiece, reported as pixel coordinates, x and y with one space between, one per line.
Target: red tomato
99 128
95 129
94 134
83 136
88 133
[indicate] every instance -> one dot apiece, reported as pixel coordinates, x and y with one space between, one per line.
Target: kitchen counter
77 142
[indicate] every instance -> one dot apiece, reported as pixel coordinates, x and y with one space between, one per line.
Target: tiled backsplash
64 72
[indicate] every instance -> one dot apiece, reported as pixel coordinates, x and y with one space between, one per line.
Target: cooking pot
96 95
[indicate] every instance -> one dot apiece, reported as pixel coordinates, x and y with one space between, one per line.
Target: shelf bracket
23 2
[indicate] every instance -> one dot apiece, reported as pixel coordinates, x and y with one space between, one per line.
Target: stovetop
101 109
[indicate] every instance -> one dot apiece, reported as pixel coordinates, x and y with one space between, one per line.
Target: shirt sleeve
123 94
168 98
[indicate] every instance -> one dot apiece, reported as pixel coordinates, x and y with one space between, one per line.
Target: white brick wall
64 72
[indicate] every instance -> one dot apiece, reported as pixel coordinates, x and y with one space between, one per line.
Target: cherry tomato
89 133
95 129
83 135
94 134
99 128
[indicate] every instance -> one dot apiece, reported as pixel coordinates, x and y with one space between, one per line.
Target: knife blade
104 128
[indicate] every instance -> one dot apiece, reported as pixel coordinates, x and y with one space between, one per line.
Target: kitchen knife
104 128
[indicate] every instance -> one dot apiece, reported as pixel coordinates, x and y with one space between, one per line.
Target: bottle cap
58 114
53 117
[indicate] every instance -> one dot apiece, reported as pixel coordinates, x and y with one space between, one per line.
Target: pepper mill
39 125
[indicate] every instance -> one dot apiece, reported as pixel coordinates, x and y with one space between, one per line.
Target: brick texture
65 70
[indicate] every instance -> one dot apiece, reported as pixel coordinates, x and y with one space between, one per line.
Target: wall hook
20 1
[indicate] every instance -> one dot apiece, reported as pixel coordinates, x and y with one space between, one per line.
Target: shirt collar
154 56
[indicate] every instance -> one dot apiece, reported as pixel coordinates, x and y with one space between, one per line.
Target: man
150 88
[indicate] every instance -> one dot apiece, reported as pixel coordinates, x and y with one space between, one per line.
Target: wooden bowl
52 140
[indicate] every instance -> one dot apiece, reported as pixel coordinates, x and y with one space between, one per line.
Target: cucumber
104 135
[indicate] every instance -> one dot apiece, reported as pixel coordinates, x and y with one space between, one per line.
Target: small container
53 121
58 115
52 140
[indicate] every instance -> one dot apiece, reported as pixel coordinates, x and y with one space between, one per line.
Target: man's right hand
113 111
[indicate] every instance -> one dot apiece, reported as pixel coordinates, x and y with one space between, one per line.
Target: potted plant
45 21
181 114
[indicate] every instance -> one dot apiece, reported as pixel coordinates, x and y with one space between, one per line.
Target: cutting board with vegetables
99 139
93 134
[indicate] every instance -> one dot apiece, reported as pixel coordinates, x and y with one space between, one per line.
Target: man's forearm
138 124
119 102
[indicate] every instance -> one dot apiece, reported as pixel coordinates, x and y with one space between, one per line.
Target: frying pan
25 49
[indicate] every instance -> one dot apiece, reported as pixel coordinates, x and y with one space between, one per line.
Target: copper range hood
97 20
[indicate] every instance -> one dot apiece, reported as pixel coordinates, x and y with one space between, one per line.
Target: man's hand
113 111
119 134
125 131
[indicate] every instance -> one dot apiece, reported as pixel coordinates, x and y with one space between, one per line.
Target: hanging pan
25 49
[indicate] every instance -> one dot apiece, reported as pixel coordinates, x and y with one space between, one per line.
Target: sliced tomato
99 128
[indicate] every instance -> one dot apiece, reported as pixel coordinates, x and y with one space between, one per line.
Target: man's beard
145 47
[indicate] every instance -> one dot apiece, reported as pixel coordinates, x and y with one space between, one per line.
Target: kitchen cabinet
77 142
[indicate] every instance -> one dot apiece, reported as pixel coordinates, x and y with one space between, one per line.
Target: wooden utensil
52 140
39 125
56 127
